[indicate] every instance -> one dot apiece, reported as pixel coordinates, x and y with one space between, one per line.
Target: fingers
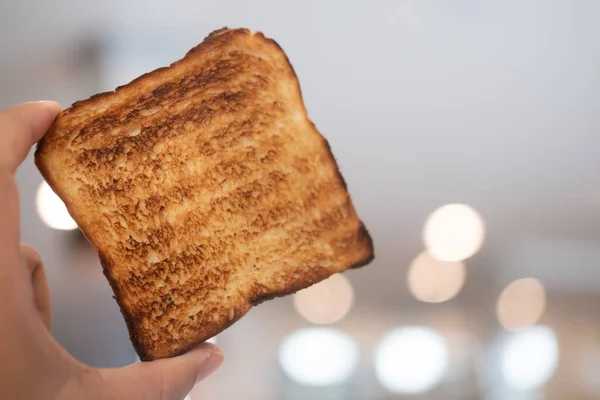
21 127
34 268
9 229
167 379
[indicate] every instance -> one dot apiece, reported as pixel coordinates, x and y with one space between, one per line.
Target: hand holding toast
34 365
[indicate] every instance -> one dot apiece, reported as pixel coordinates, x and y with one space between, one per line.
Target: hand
34 365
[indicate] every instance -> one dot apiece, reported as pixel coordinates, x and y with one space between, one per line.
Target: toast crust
150 340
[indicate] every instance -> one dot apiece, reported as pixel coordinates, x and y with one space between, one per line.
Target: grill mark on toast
241 199
120 162
224 73
197 259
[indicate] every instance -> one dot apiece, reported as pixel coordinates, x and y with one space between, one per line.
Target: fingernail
212 363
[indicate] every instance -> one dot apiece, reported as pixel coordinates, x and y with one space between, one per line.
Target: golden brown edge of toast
131 322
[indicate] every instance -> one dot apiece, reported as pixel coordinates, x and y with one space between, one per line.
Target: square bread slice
205 189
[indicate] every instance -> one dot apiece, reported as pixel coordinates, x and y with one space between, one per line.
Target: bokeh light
318 356
411 360
434 281
326 302
52 210
453 232
529 358
521 304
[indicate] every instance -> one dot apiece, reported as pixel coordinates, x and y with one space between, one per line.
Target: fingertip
219 351
174 377
211 364
46 112
52 108
22 126
208 358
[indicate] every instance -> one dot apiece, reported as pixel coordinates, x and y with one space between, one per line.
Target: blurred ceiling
494 104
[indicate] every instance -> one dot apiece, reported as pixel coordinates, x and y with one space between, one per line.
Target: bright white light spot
521 304
529 358
453 232
411 360
434 281
318 356
326 302
52 210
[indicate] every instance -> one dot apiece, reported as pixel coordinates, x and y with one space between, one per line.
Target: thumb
20 127
166 379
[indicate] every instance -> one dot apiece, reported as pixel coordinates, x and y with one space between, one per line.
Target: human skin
34 365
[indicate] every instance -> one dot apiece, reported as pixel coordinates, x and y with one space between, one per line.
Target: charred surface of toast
206 190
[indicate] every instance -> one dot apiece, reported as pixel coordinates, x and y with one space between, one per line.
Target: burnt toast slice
206 190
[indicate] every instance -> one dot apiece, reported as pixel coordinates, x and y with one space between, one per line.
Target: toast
205 189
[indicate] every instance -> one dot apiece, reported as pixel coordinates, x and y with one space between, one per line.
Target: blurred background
467 131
